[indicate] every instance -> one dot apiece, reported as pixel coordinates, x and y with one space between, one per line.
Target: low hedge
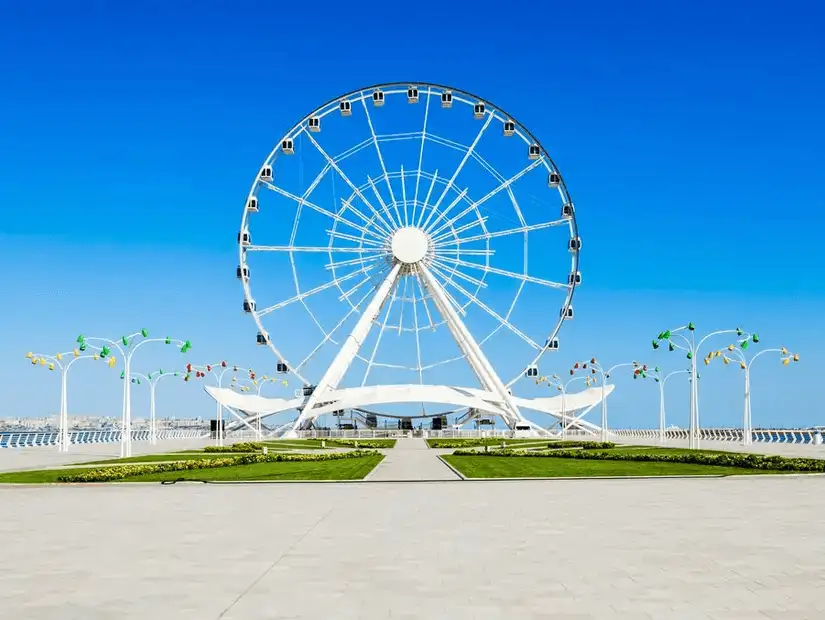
480 443
745 461
361 443
109 474
243 446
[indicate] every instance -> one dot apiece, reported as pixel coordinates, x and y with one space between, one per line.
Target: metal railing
789 436
30 439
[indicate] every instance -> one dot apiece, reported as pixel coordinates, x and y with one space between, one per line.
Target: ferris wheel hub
410 244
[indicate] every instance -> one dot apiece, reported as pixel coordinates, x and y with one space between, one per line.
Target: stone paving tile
723 549
411 459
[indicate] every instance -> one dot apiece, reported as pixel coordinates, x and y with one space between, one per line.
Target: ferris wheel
405 236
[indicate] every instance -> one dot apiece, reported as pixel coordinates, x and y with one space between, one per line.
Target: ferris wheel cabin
249 306
553 180
509 128
478 111
378 98
314 124
345 106
266 173
288 146
447 99
412 95
252 203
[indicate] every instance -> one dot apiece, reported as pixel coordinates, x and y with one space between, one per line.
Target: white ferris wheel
403 239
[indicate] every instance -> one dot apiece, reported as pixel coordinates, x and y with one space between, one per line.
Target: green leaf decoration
755 338
122 374
661 336
655 344
161 371
81 339
671 347
125 341
690 355
738 331
144 332
168 340
744 345
691 326
666 335
657 369
82 346
105 351
656 379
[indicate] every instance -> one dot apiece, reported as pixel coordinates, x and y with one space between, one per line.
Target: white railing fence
728 434
32 439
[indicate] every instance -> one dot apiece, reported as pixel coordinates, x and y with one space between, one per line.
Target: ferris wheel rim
360 94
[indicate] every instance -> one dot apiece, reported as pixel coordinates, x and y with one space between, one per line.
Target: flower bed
746 461
362 443
244 446
480 443
109 474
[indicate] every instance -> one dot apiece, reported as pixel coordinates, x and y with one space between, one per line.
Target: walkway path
411 459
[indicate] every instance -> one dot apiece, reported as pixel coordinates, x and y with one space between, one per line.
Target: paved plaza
722 548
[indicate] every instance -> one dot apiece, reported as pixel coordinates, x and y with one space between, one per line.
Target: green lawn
533 467
343 469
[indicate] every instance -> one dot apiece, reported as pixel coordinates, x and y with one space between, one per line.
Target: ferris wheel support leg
336 371
468 345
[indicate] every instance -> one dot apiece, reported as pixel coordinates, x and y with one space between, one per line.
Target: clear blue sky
690 136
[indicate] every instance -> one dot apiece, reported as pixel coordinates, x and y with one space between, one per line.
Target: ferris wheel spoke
503 233
403 303
318 289
347 294
500 188
458 251
490 311
337 234
454 232
513 275
320 248
384 204
460 167
421 153
506 316
424 297
303 202
433 181
380 231
404 196
328 336
352 261
461 195
377 148
454 270
346 179
380 335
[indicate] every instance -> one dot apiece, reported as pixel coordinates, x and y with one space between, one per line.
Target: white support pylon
468 345
336 371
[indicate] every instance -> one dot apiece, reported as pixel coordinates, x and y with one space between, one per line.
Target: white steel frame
440 263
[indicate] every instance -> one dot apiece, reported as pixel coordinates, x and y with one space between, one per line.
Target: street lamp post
257 385
217 371
738 355
152 379
556 381
52 361
127 348
661 380
596 368
692 348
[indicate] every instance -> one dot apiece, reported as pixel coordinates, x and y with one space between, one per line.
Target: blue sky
691 141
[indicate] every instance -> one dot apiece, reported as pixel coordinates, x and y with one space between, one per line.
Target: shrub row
584 445
746 461
243 446
471 443
108 474
362 443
